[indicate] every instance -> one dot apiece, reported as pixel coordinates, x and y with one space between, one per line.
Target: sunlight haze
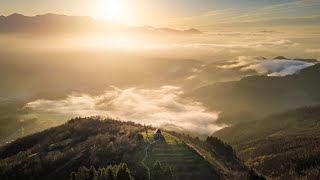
159 89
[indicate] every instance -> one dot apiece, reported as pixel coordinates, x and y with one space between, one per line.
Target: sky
178 13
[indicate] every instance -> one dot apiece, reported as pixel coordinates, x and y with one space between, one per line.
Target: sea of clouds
158 107
270 67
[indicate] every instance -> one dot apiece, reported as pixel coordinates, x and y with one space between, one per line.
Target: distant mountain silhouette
307 60
297 59
55 23
280 57
263 94
45 23
193 31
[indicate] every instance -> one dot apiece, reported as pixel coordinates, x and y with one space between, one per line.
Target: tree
157 171
110 174
123 172
83 173
92 173
159 174
100 173
168 175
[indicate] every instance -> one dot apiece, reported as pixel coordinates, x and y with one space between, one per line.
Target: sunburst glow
112 10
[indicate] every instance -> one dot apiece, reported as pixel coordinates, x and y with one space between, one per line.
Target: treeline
220 148
215 148
119 172
115 172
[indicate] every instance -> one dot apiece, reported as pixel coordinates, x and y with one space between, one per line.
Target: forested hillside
56 152
283 145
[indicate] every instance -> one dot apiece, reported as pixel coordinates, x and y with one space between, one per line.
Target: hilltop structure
157 134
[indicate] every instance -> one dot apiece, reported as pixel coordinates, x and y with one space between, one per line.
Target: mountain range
55 23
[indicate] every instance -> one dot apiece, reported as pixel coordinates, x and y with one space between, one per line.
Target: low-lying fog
158 107
48 80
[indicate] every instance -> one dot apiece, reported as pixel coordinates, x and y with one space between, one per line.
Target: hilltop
97 142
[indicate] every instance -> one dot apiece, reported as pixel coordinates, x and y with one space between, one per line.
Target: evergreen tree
116 172
100 173
110 174
157 171
123 172
168 175
83 173
92 173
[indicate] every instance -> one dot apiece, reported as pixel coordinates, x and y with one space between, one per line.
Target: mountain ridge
51 22
255 94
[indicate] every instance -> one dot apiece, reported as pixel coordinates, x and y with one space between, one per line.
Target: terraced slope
185 162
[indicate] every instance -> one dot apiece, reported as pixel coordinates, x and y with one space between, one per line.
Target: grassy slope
185 162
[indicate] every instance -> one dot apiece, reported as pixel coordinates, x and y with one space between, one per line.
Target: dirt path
146 156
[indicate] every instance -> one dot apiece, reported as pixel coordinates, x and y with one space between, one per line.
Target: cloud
159 107
288 13
312 50
253 45
296 12
270 67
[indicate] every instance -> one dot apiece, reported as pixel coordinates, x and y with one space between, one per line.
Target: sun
112 10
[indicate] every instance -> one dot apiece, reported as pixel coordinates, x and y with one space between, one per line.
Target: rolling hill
283 145
97 142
